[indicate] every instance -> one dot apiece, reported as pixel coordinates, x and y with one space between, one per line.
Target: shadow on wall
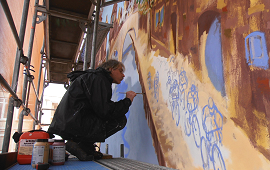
136 135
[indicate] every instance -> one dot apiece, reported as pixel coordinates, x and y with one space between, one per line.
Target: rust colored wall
8 49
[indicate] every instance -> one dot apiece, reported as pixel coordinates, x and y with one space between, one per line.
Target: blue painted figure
212 122
156 86
183 86
174 98
191 120
174 94
149 80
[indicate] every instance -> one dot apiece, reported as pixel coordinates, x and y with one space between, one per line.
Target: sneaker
74 149
97 154
90 149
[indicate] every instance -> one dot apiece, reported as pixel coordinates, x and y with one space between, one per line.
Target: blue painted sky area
213 57
107 12
136 135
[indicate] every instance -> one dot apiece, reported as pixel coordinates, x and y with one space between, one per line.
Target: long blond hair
111 63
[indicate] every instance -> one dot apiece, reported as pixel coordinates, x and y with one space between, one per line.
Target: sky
52 94
54 91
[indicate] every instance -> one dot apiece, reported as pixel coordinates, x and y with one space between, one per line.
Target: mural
204 68
212 122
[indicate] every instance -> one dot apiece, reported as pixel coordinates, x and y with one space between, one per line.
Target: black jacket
86 106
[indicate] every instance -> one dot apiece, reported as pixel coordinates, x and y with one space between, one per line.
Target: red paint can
58 152
26 143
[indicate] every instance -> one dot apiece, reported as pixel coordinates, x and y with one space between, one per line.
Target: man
86 113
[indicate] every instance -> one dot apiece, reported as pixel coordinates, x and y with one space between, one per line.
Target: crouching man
86 113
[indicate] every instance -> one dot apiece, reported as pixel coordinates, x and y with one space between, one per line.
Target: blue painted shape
174 94
161 15
187 126
192 99
127 50
174 98
157 18
156 86
122 87
183 83
191 120
149 80
217 158
115 55
136 135
212 122
256 50
196 131
213 57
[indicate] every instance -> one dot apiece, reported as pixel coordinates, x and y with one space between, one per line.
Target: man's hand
130 95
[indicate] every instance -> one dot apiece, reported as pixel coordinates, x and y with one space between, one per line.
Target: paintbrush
125 93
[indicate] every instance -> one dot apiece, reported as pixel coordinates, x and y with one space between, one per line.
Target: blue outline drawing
156 86
174 98
174 94
191 120
256 50
149 80
183 84
212 122
172 59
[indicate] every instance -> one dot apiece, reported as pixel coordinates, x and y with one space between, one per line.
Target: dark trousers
115 125
111 126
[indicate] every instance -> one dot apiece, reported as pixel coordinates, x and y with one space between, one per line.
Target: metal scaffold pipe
28 79
15 77
30 47
86 42
38 86
35 90
15 97
93 52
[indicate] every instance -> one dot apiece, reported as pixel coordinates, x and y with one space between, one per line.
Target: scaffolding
93 33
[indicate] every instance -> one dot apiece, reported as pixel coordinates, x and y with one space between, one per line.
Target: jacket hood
73 75
105 73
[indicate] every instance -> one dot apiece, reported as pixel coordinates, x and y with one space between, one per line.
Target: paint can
40 153
50 141
26 143
58 152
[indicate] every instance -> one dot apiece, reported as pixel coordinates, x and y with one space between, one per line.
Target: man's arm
130 95
99 96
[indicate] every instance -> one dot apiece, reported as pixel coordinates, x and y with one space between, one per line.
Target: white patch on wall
131 69
161 65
